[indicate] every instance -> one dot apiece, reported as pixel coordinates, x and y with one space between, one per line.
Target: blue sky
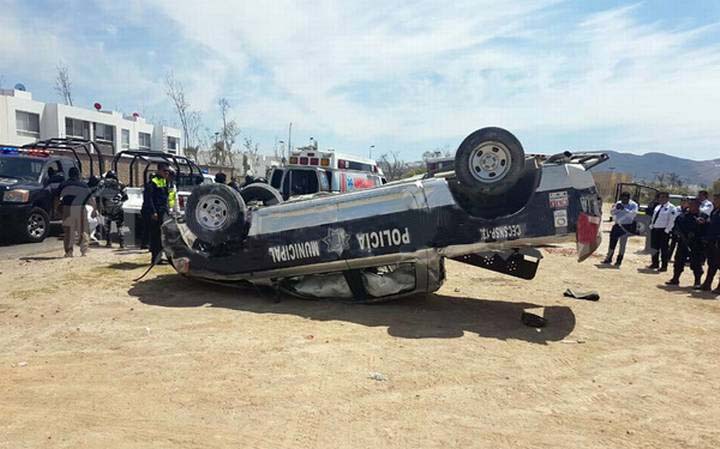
403 76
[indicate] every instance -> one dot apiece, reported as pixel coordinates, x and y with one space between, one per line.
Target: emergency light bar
28 151
327 160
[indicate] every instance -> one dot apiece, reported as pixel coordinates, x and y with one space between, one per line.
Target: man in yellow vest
158 200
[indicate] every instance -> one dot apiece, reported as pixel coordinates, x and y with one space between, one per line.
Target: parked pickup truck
140 165
491 210
30 178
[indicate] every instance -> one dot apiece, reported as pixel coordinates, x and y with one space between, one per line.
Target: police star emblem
337 241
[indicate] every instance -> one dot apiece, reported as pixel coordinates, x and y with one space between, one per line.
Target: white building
24 120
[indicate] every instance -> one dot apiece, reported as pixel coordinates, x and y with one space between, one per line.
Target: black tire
36 226
489 161
215 213
261 193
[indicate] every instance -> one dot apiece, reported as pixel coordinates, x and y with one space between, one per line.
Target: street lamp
282 149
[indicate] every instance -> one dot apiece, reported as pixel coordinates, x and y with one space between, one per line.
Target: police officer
158 201
220 177
689 229
684 204
234 184
112 194
712 245
706 206
623 213
661 225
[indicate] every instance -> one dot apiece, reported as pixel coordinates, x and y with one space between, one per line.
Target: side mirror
199 179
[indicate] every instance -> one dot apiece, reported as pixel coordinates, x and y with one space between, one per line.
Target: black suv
30 179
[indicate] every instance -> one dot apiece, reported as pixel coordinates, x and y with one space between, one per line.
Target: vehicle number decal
501 232
295 251
383 238
559 200
561 218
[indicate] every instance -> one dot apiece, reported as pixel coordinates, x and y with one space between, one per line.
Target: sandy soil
89 359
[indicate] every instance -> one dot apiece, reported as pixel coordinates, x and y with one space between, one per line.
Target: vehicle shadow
430 316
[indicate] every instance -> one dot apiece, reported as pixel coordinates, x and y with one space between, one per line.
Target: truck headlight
16 196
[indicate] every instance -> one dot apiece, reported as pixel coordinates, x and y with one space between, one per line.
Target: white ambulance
310 171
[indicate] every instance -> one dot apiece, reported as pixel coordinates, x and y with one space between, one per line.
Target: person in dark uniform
684 204
156 205
661 226
220 177
112 194
234 184
689 230
712 245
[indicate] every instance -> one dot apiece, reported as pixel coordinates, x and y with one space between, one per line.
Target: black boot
697 285
674 281
619 260
663 268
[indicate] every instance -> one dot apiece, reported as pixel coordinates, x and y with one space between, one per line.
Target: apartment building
24 120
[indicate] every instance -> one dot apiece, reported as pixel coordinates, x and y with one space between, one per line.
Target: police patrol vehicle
491 210
30 178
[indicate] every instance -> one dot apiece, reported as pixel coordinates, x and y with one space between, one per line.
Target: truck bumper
13 216
588 235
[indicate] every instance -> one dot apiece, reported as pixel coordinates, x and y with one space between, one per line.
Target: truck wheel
260 193
215 213
36 226
489 161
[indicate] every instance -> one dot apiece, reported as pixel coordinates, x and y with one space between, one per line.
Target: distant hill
647 166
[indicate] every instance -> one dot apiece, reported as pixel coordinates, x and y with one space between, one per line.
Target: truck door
54 174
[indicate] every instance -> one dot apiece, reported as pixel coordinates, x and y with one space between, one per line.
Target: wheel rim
36 225
212 212
490 162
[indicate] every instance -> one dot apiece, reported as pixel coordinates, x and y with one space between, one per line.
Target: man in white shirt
623 213
661 225
706 206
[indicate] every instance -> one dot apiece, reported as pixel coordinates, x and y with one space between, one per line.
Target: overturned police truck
491 210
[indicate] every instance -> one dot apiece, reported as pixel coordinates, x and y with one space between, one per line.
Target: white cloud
429 71
34 47
491 65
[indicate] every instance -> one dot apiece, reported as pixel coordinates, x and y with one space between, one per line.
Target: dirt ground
89 359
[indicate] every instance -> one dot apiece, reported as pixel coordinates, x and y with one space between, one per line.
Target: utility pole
370 151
